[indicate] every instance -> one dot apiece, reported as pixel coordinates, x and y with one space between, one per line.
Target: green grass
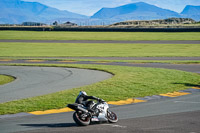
127 82
102 60
97 50
5 79
47 35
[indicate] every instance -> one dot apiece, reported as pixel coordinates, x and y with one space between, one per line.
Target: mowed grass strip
127 82
5 79
97 50
49 35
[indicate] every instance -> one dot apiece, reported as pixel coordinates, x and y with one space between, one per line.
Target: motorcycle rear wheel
112 117
80 121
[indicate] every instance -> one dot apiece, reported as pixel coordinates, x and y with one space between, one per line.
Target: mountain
191 12
135 11
17 11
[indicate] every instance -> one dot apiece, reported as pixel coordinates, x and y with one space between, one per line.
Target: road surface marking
185 102
175 94
5 60
52 111
115 125
34 60
128 101
195 87
121 102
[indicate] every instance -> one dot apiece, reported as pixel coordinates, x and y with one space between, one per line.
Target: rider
82 98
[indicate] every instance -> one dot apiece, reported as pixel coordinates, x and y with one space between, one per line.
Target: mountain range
138 10
18 11
191 12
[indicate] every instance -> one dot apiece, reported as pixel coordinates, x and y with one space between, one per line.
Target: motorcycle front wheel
81 121
112 117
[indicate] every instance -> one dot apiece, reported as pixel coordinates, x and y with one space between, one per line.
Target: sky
89 7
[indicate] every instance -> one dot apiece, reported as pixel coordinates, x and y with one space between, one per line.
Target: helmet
82 93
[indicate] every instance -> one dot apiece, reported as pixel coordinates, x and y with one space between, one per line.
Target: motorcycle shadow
98 122
53 125
57 125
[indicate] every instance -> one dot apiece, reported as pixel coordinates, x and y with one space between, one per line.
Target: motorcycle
83 117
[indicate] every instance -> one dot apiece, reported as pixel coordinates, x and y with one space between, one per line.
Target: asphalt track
184 67
124 58
180 114
165 115
36 81
169 115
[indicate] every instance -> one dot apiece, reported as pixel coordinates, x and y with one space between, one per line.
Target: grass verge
4 79
41 59
127 82
98 50
47 35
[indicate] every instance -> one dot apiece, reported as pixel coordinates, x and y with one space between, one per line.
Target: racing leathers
83 99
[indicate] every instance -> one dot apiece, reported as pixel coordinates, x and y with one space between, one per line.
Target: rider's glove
100 100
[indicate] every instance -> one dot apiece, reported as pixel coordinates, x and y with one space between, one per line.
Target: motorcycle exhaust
77 107
82 109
